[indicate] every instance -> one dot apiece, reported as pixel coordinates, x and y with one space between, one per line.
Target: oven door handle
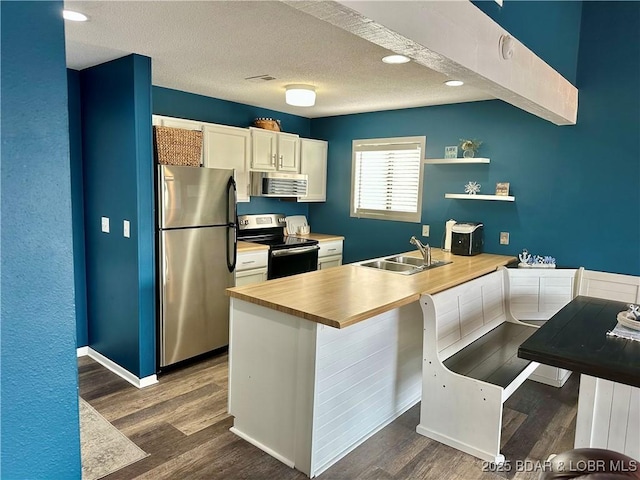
293 251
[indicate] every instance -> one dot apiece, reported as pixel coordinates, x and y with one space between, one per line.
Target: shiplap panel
365 378
537 294
610 286
471 315
493 299
448 322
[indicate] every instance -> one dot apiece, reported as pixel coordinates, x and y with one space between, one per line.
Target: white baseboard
117 369
262 447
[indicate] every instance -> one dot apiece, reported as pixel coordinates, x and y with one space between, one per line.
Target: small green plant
473 145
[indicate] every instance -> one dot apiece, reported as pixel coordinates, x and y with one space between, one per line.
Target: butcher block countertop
341 296
321 237
250 246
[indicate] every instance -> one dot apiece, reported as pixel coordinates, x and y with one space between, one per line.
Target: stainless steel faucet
425 250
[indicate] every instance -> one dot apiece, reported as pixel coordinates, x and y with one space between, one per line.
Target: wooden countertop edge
366 314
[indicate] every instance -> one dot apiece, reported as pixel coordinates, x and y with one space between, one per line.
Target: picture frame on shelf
502 189
451 151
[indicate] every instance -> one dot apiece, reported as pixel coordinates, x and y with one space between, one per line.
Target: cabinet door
251 276
229 147
288 151
328 262
313 162
263 150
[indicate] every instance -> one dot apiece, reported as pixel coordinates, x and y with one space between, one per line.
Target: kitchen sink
403 265
418 262
392 267
407 260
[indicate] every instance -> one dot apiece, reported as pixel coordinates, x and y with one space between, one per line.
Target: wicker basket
178 146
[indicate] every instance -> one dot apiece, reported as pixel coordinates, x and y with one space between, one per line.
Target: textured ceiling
210 47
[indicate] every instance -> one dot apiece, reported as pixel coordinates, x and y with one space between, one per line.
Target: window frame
391 215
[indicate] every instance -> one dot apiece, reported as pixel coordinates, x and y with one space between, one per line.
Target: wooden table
609 400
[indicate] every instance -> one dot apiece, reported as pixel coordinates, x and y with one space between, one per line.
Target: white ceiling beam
459 40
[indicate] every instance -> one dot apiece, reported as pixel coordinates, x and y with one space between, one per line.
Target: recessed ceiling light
454 83
396 59
74 16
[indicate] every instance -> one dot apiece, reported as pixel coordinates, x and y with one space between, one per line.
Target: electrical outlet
504 238
126 228
425 230
105 224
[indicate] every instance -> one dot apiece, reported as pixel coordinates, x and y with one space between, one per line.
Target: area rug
104 448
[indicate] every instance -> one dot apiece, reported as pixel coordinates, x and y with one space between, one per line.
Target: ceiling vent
260 78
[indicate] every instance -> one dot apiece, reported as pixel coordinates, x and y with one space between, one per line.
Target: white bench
471 338
534 296
470 364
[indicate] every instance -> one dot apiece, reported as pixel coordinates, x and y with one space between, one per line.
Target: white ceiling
211 47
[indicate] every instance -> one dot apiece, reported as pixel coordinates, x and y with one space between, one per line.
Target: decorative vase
468 153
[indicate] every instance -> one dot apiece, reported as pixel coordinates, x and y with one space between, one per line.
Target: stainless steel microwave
276 184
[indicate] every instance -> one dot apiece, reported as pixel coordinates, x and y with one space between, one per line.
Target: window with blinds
387 178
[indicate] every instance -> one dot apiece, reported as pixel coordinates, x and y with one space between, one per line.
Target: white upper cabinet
229 147
313 162
274 151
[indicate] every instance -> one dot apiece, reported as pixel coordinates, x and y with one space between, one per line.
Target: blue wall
174 103
118 172
549 29
575 186
77 206
39 399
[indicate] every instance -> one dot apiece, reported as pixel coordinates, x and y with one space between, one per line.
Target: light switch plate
504 238
126 228
425 230
105 224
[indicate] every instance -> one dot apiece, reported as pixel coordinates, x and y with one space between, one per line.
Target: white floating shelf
455 161
464 196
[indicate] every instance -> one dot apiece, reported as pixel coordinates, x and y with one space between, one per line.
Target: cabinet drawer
251 260
333 247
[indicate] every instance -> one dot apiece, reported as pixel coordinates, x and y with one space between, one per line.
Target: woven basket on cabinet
177 146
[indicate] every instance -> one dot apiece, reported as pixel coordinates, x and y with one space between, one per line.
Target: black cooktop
283 241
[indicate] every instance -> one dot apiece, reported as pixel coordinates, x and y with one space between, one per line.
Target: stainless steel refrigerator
197 251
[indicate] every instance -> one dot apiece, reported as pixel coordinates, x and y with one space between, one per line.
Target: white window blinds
387 178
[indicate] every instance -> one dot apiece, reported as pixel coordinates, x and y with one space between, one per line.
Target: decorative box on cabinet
251 267
313 162
274 151
330 254
229 147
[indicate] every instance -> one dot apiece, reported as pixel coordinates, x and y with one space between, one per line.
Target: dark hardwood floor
182 423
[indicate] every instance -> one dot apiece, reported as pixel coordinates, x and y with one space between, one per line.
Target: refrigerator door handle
232 223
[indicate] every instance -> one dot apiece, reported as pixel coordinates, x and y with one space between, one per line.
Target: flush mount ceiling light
74 16
395 59
454 83
300 95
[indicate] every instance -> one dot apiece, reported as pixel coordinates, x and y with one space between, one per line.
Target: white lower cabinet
330 254
251 267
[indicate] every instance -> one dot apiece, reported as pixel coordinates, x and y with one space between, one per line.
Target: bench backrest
537 293
468 311
610 286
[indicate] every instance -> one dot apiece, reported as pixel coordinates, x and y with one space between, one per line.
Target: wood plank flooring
182 423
